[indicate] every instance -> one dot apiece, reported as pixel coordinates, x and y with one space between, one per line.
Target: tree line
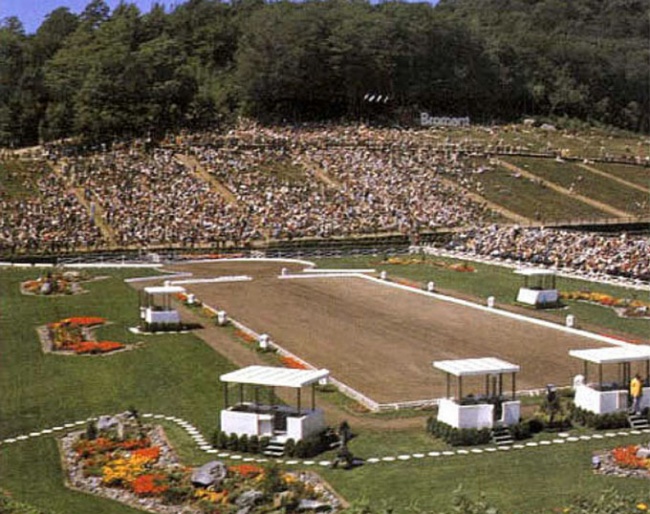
103 74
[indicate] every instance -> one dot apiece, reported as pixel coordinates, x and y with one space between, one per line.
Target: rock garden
123 459
75 336
56 283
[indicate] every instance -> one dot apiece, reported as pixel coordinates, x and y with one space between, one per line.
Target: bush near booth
474 436
458 436
302 449
589 419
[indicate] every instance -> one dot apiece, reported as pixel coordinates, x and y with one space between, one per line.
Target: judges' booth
482 410
254 410
607 390
156 310
538 288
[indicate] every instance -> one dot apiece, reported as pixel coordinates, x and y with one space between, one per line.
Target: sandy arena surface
381 340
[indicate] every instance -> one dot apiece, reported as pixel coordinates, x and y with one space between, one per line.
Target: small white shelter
250 416
156 307
539 288
478 411
604 397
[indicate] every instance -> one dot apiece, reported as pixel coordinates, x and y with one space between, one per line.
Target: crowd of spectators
585 252
52 219
283 183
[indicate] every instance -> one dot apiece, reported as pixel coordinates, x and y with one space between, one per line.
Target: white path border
203 445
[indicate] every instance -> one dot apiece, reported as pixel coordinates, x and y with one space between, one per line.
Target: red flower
149 485
290 362
85 320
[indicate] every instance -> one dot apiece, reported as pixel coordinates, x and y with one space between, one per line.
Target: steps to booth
276 445
501 436
638 422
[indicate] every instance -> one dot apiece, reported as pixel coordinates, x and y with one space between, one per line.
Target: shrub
243 443
233 443
459 436
254 444
290 448
598 421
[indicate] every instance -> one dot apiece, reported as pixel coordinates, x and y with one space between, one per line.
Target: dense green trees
106 74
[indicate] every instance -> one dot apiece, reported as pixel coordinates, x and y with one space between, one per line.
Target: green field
582 182
178 375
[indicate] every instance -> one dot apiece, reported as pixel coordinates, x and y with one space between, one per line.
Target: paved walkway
203 445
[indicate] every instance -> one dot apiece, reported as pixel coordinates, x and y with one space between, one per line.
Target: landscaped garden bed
56 283
125 460
74 336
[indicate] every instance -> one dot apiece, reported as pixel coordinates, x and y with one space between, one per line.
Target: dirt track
381 340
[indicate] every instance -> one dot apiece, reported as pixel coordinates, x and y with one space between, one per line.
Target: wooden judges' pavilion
478 410
251 415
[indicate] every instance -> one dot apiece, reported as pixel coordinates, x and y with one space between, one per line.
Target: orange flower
290 362
85 321
149 484
246 470
151 454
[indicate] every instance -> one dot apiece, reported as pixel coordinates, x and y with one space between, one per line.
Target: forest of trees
104 74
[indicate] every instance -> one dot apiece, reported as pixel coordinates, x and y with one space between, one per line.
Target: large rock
313 506
249 498
107 422
212 473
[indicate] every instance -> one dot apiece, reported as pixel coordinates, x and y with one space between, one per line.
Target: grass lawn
178 375
168 374
503 284
584 183
519 481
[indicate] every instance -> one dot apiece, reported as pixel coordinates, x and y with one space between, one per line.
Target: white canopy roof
164 289
275 377
614 354
482 366
534 272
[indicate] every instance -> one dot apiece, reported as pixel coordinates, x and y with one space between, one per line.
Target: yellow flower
642 506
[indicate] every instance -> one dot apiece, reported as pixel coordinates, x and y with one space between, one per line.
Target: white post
284 271
431 287
570 320
191 299
222 318
264 341
383 275
490 302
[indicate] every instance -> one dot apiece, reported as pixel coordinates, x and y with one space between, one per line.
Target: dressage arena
382 340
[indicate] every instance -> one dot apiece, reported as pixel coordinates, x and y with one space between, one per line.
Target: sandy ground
381 340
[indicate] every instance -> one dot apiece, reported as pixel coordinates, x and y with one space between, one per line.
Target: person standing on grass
636 389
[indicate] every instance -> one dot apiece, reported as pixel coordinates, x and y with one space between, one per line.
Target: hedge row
473 436
598 421
305 448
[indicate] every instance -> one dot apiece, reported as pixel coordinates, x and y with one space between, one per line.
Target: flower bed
290 362
245 336
624 461
74 335
134 464
452 266
624 307
55 283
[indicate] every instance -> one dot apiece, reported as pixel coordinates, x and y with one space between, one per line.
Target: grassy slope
523 196
635 174
591 185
